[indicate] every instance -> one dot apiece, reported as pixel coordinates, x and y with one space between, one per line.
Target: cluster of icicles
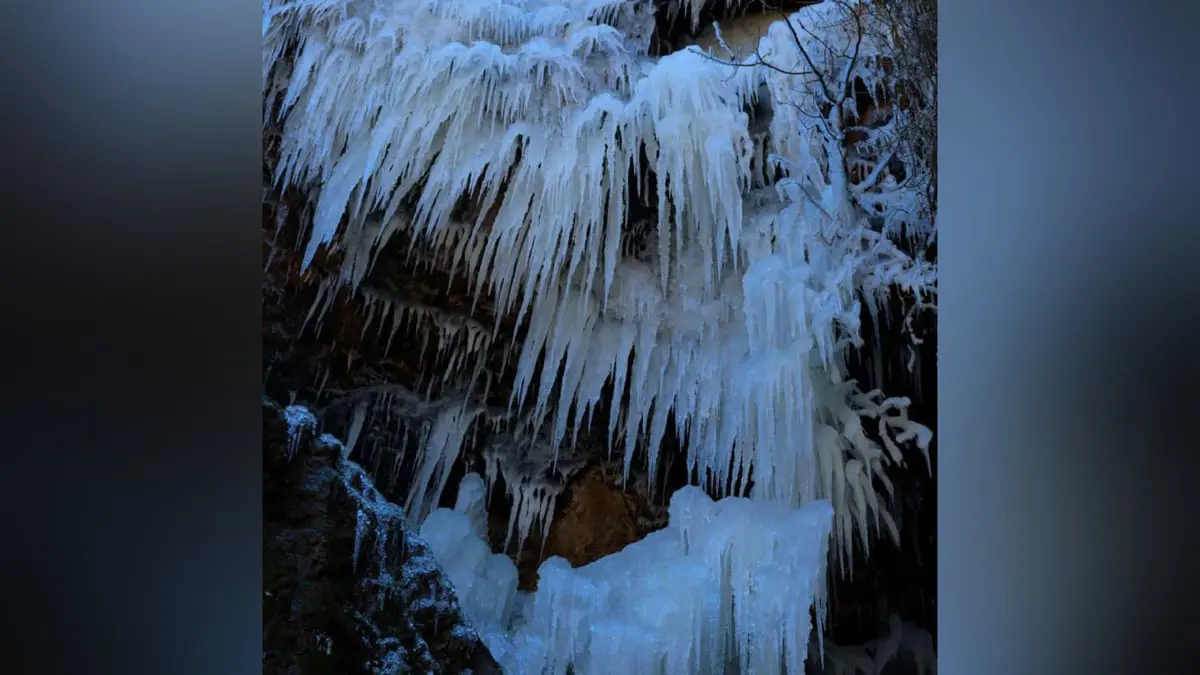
727 584
548 114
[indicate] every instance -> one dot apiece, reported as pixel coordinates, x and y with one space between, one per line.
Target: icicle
356 425
323 381
437 456
359 529
320 304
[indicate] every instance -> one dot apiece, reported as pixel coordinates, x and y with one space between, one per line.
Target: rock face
594 520
594 517
348 586
598 520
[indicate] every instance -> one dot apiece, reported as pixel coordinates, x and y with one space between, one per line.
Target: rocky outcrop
348 586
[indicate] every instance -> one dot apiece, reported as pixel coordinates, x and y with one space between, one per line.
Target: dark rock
349 587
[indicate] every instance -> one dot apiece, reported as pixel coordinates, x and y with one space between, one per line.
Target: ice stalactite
439 450
430 423
532 478
429 433
458 340
472 501
327 291
522 459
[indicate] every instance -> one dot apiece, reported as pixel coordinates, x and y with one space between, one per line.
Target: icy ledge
727 584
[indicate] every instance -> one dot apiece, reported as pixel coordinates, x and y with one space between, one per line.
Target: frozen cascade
727 583
734 326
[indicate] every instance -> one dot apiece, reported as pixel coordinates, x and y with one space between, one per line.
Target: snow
299 420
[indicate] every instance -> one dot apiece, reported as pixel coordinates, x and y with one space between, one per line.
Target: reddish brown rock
595 517
596 520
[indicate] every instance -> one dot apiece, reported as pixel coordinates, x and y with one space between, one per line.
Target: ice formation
734 323
545 113
484 582
727 584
